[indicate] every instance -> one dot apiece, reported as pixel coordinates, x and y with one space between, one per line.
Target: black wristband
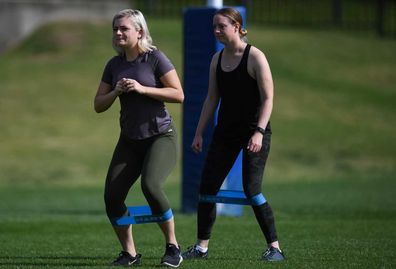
260 130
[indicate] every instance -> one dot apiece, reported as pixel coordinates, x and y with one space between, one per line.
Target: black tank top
240 100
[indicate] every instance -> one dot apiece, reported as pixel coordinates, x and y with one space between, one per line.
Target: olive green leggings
152 159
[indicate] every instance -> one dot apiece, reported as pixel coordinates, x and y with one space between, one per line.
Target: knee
252 188
256 197
150 190
109 201
153 193
115 206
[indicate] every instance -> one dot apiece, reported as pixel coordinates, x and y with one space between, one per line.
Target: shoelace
190 249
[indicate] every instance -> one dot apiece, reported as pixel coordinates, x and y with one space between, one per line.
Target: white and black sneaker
126 259
172 256
194 253
273 254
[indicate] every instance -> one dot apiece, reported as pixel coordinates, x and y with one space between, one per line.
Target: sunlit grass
333 102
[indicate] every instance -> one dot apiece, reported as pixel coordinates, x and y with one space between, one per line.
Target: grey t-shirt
140 116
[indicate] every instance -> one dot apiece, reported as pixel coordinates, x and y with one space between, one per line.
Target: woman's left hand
255 142
133 86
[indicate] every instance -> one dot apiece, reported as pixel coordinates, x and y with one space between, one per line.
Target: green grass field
330 177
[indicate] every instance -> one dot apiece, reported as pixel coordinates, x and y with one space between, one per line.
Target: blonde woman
143 79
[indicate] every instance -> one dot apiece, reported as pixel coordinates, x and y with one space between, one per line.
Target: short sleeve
107 76
163 65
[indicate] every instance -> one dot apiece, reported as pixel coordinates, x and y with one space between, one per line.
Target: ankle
274 244
173 244
131 253
201 249
202 243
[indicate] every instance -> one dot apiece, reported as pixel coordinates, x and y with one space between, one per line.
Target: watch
260 130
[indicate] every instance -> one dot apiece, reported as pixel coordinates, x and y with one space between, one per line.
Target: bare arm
208 108
172 92
260 70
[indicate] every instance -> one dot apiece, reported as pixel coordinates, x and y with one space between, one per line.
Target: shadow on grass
67 261
45 261
77 212
83 261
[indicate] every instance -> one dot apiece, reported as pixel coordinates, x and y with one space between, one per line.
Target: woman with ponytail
241 78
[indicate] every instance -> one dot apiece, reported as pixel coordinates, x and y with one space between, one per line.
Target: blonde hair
235 17
145 42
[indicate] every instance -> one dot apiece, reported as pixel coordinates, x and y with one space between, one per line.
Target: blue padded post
199 46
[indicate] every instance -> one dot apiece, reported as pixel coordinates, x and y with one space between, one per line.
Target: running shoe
126 259
273 254
193 253
172 256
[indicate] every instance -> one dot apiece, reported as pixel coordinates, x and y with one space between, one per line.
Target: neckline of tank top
237 66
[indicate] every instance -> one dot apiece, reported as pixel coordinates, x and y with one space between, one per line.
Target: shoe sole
274 260
134 263
196 257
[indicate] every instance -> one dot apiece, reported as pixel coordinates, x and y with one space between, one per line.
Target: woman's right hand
197 144
120 86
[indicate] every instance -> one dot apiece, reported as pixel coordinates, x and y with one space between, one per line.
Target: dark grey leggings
221 157
153 159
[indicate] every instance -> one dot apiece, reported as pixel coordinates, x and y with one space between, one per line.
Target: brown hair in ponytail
235 17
